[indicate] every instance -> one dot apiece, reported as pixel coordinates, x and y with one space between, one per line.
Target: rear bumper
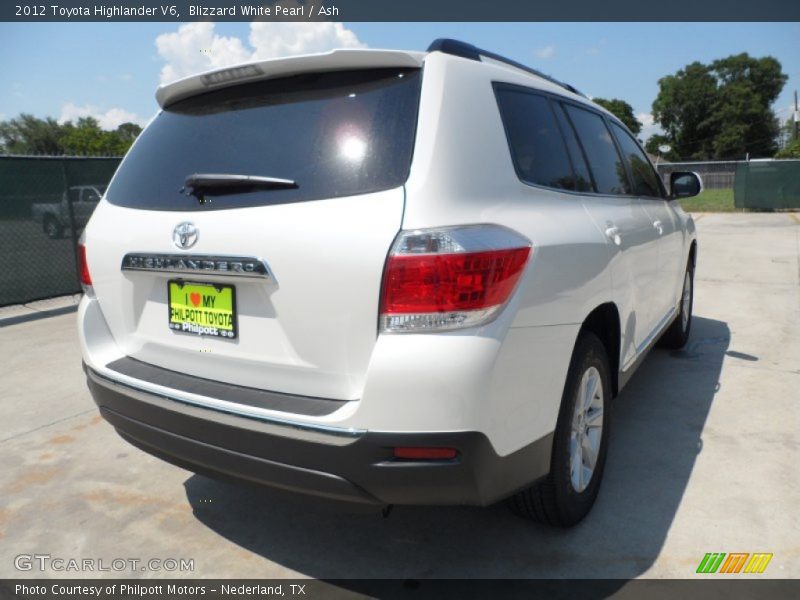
357 466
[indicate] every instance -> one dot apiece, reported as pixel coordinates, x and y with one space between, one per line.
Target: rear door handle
612 233
659 228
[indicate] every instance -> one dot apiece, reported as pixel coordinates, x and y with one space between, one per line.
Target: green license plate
202 308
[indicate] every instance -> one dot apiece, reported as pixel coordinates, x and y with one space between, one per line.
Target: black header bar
402 10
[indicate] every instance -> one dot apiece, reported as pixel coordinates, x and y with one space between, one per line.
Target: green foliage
655 141
27 134
791 150
622 110
721 110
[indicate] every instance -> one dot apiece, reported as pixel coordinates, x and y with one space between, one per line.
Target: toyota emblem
184 236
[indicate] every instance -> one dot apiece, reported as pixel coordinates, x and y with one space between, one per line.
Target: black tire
52 228
677 335
555 500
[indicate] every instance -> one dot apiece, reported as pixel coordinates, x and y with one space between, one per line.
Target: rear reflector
83 266
425 453
449 278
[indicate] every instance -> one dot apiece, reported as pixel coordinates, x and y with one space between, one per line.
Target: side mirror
685 184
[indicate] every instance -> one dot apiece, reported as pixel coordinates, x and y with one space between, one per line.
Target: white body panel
504 379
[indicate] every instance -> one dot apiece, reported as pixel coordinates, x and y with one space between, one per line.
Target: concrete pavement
704 458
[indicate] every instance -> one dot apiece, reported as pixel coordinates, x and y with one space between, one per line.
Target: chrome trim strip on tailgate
296 429
204 264
246 397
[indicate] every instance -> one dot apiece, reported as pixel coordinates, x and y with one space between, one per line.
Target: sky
111 70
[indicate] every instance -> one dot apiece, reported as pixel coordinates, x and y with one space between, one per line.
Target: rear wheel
678 333
580 442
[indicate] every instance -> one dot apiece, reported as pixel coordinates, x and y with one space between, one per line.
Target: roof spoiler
468 51
334 60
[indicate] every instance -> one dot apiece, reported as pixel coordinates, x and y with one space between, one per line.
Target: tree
791 150
125 135
683 109
722 110
654 143
622 110
27 134
85 138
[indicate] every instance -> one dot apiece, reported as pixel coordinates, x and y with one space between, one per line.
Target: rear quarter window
537 147
335 134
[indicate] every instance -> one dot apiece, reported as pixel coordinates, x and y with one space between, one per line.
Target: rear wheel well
693 254
603 321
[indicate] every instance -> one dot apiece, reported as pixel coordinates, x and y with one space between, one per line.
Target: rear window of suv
335 134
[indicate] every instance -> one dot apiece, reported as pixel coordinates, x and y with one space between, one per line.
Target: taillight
440 279
83 270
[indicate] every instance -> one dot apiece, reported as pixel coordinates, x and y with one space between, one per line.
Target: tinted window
583 180
604 160
645 180
334 134
537 147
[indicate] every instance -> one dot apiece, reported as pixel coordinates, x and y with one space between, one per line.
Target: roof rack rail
464 50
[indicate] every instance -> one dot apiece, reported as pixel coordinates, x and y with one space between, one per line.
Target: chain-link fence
755 184
44 204
717 175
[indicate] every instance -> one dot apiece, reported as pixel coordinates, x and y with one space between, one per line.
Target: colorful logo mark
736 562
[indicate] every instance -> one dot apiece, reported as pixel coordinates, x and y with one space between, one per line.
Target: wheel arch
604 322
693 254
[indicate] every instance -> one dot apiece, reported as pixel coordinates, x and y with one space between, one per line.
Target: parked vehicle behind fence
74 210
385 277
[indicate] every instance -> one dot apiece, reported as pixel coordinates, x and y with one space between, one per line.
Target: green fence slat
771 185
36 262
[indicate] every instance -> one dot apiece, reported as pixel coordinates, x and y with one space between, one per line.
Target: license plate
202 308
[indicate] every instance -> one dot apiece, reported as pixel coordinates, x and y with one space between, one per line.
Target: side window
645 180
537 148
74 195
583 179
604 160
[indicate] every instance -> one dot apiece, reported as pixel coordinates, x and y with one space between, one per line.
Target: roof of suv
333 60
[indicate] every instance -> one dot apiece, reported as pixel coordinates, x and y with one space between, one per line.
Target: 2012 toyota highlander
384 277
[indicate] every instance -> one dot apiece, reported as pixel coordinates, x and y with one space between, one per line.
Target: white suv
385 277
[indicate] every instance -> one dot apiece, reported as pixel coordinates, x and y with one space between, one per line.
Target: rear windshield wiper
200 185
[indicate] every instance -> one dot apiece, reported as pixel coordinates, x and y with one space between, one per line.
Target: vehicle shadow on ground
657 435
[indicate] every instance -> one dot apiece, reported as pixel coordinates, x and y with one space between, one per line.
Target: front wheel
580 442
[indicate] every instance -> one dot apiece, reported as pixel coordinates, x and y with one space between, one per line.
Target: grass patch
710 201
